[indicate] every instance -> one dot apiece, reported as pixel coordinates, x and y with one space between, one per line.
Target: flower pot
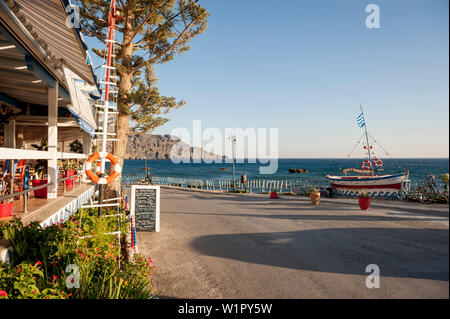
67 173
273 195
6 209
315 198
364 203
40 193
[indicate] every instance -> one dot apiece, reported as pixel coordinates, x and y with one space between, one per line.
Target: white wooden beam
13 153
52 164
64 155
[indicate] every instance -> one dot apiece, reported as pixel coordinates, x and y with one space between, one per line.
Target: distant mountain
141 146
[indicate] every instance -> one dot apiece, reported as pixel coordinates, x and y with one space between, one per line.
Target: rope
349 154
395 161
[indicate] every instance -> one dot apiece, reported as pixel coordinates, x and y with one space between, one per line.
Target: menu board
145 207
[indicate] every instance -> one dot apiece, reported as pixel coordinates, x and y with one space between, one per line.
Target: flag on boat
360 120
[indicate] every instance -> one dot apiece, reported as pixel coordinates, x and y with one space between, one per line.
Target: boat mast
367 140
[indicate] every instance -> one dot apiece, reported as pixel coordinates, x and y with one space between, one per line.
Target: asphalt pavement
214 245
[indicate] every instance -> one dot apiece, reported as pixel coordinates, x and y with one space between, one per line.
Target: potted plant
76 147
70 166
364 200
41 171
314 196
6 205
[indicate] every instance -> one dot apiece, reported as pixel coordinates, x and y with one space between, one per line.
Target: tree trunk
123 121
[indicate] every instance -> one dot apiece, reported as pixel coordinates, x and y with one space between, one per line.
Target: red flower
55 277
19 270
38 263
34 291
3 293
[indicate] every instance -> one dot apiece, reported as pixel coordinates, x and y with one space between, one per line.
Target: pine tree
150 32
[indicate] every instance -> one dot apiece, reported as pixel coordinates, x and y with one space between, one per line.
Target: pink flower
3 293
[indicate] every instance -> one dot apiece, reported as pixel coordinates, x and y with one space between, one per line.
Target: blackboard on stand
145 201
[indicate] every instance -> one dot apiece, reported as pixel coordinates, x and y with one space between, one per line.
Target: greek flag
360 120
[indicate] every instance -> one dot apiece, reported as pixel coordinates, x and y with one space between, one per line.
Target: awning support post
52 164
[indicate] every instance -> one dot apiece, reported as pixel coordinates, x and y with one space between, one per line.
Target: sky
304 67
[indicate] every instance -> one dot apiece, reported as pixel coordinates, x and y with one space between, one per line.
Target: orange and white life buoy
102 180
366 165
377 162
98 168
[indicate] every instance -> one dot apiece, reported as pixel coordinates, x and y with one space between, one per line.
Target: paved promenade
214 245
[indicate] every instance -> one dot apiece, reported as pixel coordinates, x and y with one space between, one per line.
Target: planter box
40 193
6 209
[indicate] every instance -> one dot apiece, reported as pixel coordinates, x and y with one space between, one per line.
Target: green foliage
23 282
41 165
42 255
151 32
76 147
363 194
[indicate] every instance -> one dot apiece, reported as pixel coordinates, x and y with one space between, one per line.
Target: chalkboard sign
145 207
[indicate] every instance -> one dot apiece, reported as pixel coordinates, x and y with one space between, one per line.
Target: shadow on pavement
399 252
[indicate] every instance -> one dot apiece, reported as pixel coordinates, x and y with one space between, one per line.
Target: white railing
13 153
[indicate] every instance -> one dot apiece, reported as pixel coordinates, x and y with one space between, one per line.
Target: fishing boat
371 178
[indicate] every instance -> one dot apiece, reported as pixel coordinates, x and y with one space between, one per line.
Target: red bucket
6 209
40 193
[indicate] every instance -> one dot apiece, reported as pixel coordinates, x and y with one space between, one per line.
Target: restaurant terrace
48 120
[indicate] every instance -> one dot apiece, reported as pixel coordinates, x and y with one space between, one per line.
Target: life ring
102 180
366 165
377 162
98 168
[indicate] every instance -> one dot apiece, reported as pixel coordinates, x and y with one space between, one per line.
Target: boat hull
384 186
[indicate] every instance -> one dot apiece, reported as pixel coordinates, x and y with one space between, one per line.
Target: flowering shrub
23 282
42 255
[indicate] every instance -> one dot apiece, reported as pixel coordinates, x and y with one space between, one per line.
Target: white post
87 143
52 169
10 134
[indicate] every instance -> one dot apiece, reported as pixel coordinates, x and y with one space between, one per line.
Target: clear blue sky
304 67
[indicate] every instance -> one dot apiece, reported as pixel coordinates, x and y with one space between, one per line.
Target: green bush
42 255
25 281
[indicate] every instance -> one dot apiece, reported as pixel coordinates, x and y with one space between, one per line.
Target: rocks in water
298 170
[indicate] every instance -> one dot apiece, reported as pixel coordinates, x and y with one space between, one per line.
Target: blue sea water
419 168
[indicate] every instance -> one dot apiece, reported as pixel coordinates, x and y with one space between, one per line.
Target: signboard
145 207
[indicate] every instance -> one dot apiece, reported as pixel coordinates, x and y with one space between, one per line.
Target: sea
317 169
